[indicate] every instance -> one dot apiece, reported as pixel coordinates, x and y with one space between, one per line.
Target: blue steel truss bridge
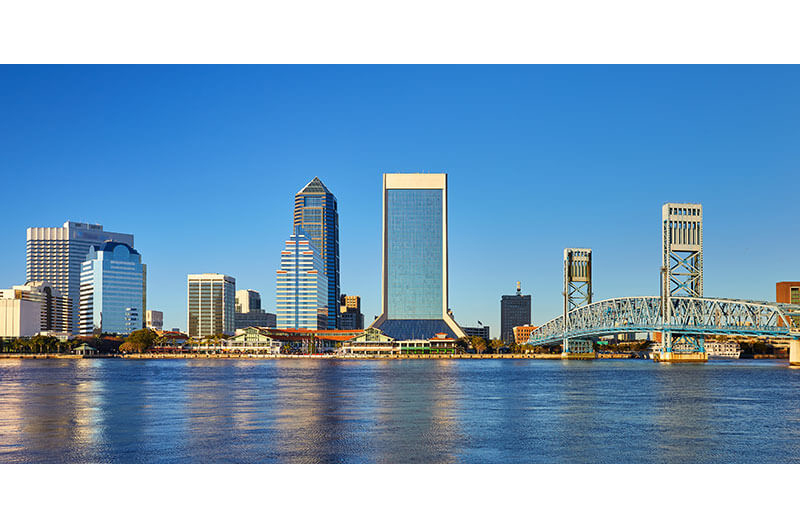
687 316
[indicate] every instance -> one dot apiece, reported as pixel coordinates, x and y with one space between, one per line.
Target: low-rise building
154 320
523 333
55 311
477 331
373 341
20 317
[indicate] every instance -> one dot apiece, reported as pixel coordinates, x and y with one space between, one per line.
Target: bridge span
687 316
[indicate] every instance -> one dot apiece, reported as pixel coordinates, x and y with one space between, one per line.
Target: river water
462 411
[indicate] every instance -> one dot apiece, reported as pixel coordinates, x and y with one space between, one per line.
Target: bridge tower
681 275
577 293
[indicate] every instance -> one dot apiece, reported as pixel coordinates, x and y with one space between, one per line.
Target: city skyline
508 157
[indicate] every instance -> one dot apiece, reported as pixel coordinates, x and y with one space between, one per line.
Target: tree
496 344
139 341
479 344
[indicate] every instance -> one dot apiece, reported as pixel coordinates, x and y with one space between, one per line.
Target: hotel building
55 255
301 294
55 310
112 290
315 211
414 275
211 299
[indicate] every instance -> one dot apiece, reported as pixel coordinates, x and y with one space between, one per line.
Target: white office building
55 255
211 307
55 309
301 294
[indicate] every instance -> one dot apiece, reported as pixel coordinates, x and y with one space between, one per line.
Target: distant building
523 333
477 331
515 310
258 318
19 317
55 309
154 320
112 290
249 313
55 255
301 293
350 316
247 301
414 275
211 304
315 211
787 292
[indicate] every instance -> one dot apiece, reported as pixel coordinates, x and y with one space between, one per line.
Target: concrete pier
794 352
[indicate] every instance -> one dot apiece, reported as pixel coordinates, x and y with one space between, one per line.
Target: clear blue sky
201 164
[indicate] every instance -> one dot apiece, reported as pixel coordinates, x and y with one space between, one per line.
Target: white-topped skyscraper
55 255
415 288
301 293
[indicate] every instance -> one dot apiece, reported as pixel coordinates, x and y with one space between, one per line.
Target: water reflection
322 411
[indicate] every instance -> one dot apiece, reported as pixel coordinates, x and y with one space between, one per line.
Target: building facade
249 312
515 310
55 309
414 275
523 333
477 331
350 316
112 290
247 301
55 255
19 317
211 298
316 212
154 320
301 293
787 292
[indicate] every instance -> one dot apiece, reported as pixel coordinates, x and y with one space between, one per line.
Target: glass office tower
415 295
315 211
112 290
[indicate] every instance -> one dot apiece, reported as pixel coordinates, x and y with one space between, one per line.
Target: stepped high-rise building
211 304
415 289
301 293
350 316
112 290
55 255
315 211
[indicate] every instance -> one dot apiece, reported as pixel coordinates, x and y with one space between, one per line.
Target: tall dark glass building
315 211
515 310
414 290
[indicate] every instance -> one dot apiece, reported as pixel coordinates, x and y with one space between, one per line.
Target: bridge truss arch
687 316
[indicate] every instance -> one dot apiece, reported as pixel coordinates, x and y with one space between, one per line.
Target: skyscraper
56 309
55 255
301 293
415 289
211 304
112 290
515 310
315 211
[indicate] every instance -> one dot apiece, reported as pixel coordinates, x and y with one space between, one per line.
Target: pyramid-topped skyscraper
316 212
